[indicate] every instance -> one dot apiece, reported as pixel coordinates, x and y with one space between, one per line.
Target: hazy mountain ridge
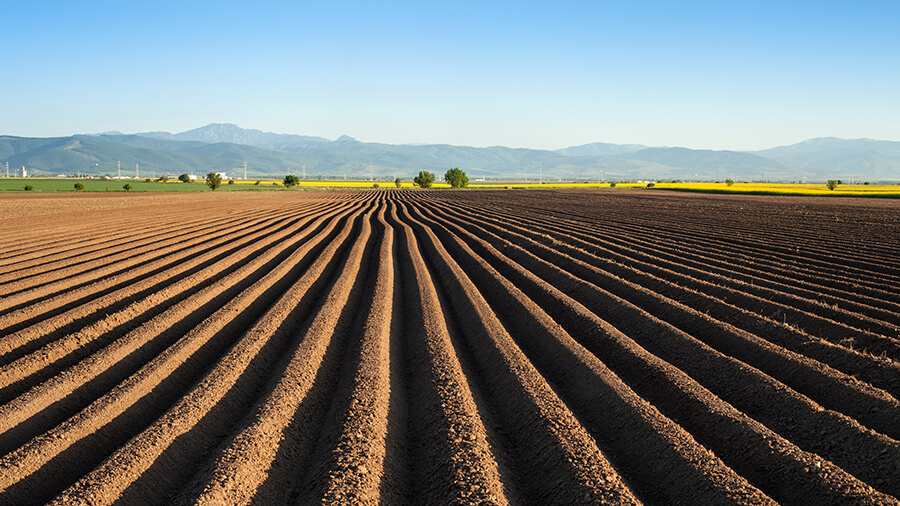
226 147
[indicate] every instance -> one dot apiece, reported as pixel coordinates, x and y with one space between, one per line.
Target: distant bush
397 182
832 184
163 179
456 178
213 180
424 180
231 181
291 180
184 178
29 188
256 183
376 185
104 178
127 187
148 180
651 185
729 182
79 187
612 185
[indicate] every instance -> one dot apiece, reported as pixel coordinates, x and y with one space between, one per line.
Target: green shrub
832 184
231 181
651 185
213 180
729 182
291 180
612 185
79 187
127 187
424 180
376 185
184 178
256 183
29 188
397 182
456 178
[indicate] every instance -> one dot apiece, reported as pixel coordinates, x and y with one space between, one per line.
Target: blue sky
698 74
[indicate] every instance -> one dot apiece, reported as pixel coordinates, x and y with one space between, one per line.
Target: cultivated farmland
438 347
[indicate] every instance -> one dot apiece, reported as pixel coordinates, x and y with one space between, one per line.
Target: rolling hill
226 148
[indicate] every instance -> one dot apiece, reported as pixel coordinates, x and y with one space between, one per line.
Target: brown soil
437 347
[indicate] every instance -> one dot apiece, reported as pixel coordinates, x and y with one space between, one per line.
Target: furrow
207 406
554 457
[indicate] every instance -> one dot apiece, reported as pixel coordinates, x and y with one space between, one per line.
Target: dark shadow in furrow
833 394
867 368
822 273
792 420
420 446
122 271
689 253
625 450
329 397
90 391
822 327
513 450
80 323
800 228
667 283
396 482
622 242
175 471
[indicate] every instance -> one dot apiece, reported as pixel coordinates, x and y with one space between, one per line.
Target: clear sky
699 74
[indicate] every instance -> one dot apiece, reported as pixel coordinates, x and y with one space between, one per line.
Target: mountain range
226 148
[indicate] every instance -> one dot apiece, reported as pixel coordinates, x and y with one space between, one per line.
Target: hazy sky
716 75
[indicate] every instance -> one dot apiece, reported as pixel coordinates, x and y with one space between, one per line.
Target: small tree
729 182
231 181
376 185
184 178
29 188
456 178
612 185
127 187
79 187
163 179
291 180
424 180
256 183
651 185
213 180
397 182
832 184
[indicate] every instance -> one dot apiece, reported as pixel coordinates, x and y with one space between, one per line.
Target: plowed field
415 347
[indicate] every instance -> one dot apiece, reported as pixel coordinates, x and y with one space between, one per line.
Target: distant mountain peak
344 138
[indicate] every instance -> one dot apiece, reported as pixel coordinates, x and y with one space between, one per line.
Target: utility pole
119 168
717 172
245 169
7 169
137 172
